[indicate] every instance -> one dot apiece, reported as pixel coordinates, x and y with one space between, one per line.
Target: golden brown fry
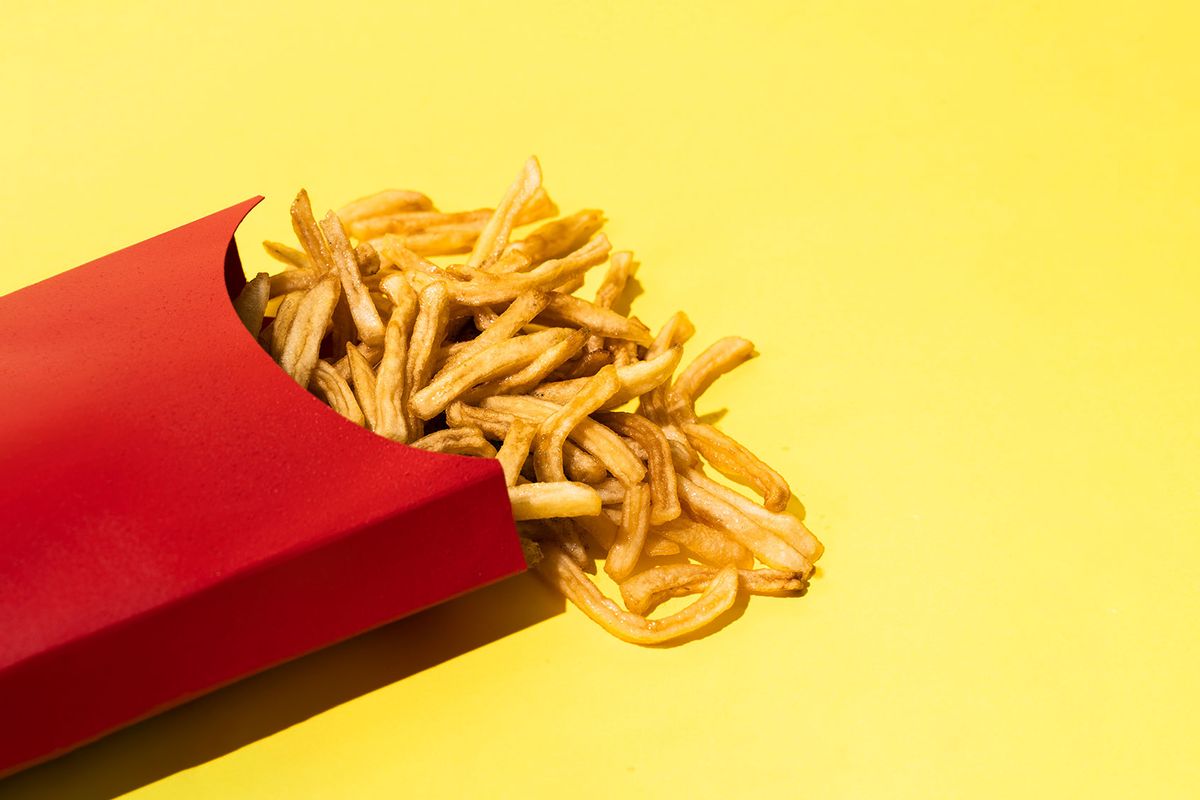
428 332
495 235
331 387
502 359
620 268
565 309
366 318
460 441
766 545
664 492
631 535
301 348
593 437
636 379
706 543
643 592
405 224
367 258
552 240
372 353
559 499
251 302
737 463
393 253
580 465
288 256
293 280
389 201
515 450
565 575
305 226
674 333
485 288
536 371
554 429
579 369
518 314
284 316
364 384
785 526
392 387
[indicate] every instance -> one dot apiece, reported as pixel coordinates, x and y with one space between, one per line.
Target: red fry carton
176 512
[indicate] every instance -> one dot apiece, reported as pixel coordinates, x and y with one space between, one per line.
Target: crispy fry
588 434
719 358
559 499
515 450
737 463
584 367
462 441
664 492
251 302
518 314
536 371
674 333
285 315
503 359
293 280
392 387
495 234
301 348
485 288
309 235
331 387
389 201
288 256
565 575
430 326
364 384
372 353
366 318
631 535
766 545
646 590
552 240
706 543
565 309
555 428
785 526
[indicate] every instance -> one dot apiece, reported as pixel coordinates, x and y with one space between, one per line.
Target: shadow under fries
261 705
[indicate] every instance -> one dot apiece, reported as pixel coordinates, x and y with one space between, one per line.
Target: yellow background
965 238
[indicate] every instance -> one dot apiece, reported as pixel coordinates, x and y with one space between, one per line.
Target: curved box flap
176 512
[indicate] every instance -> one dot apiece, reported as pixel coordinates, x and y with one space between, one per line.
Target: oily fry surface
460 332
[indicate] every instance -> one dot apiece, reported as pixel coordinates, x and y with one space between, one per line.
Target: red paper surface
176 512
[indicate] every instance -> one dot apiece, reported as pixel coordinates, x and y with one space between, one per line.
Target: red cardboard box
176 512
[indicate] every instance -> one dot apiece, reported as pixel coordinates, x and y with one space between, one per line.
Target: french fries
592 422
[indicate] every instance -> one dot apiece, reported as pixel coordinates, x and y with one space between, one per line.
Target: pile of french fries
496 357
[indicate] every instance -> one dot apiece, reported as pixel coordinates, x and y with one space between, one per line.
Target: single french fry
552 240
251 302
646 590
565 575
285 315
392 387
620 268
536 371
737 463
515 449
460 441
664 492
301 348
293 280
554 429
331 387
389 201
558 499
705 542
636 378
305 226
364 384
565 309
428 331
631 535
366 317
288 256
495 234
519 313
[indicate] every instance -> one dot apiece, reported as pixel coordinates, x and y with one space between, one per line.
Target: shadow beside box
177 513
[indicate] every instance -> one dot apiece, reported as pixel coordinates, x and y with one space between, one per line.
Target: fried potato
501 360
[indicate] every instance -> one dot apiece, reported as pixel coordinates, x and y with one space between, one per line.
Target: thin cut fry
364 384
462 441
518 314
559 499
631 535
284 316
495 234
293 280
536 371
366 318
301 348
646 590
565 575
664 492
288 256
706 543
428 330
331 387
515 450
737 463
251 302
785 526
554 430
552 240
389 201
565 309
392 387
311 239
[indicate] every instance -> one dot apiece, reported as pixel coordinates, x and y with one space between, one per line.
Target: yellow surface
966 239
